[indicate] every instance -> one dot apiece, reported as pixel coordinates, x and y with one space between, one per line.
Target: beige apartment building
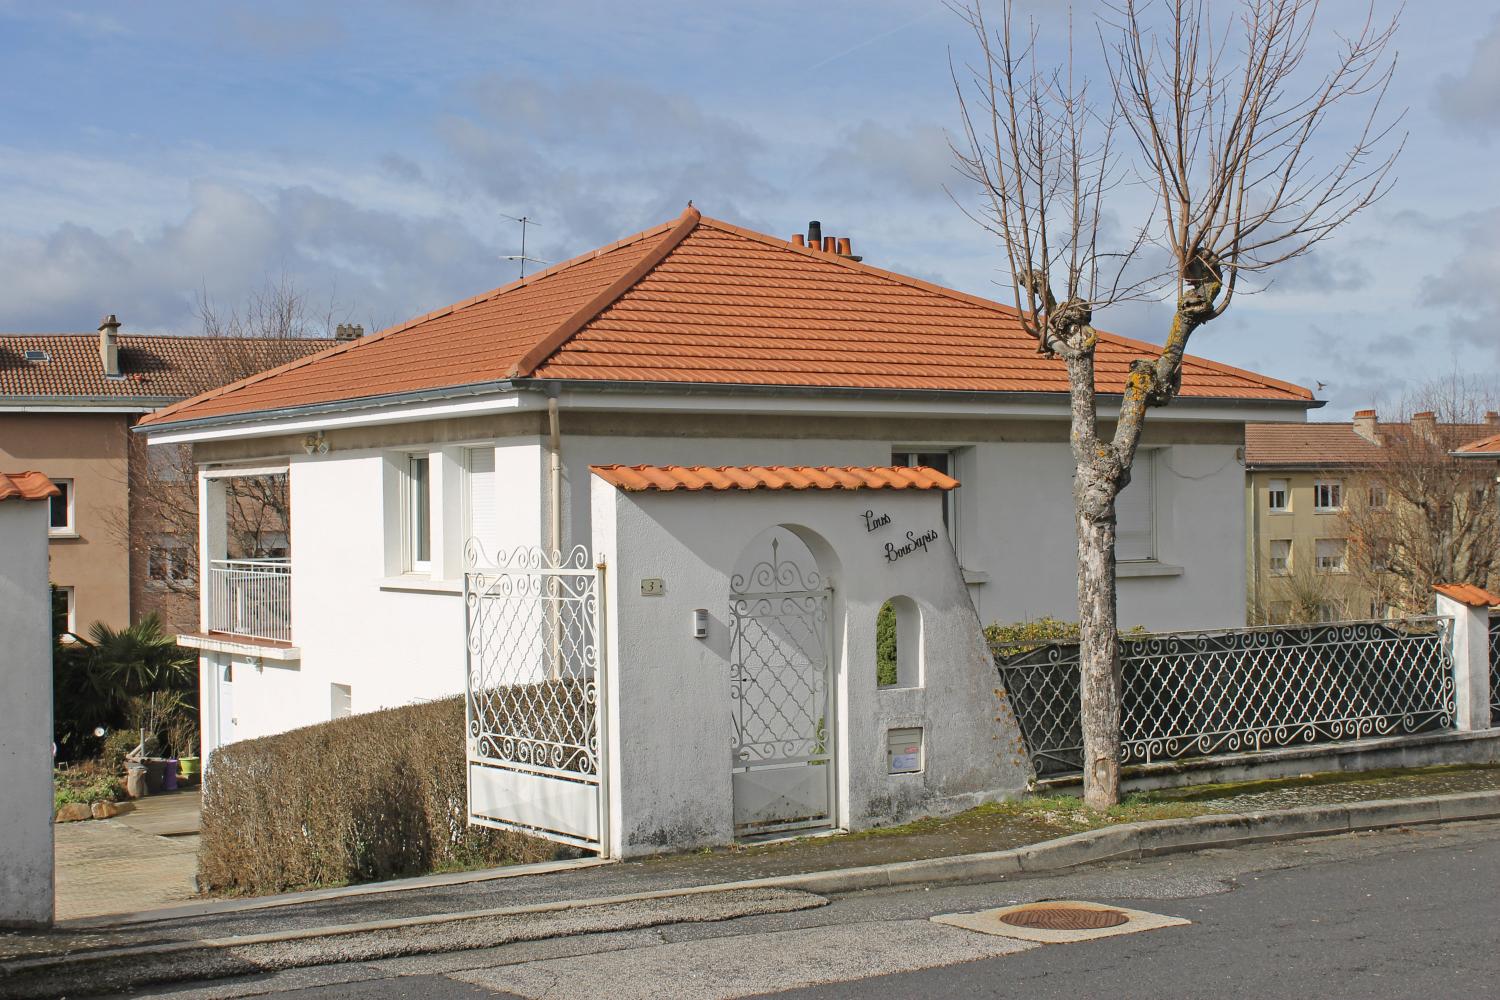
67 403
1300 483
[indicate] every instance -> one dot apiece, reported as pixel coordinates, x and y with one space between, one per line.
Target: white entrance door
781 689
225 699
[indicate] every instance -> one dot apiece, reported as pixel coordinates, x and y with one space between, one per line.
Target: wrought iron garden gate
535 694
782 698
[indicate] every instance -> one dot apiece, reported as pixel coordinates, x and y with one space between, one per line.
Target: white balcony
250 598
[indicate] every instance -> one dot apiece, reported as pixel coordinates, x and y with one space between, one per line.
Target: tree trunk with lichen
1098 476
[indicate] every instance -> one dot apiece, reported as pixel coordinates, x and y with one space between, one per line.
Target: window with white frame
418 527
1328 495
1329 554
62 522
1281 556
1278 496
943 462
1330 611
481 514
1379 498
1135 511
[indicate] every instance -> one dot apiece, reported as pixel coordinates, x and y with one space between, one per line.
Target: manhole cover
1064 918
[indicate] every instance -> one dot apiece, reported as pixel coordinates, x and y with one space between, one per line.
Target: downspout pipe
554 448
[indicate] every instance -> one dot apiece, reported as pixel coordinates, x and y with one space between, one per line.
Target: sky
154 155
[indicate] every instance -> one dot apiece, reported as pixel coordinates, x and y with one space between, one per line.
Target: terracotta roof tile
152 368
1324 444
706 302
1483 448
667 478
26 486
1467 593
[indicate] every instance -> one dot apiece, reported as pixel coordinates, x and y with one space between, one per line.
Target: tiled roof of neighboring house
705 302
1467 593
1317 445
1314 444
1483 448
26 486
152 368
667 478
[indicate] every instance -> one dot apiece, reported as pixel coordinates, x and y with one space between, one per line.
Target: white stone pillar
1469 606
25 716
213 539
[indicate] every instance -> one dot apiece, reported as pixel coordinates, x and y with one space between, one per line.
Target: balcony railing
251 597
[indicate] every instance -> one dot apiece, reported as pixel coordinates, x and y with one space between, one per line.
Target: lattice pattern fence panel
1495 668
1197 694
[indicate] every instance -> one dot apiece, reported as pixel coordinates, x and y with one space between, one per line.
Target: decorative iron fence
251 597
1198 694
1495 668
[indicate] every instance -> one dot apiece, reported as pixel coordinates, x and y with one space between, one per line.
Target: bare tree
1420 516
1211 130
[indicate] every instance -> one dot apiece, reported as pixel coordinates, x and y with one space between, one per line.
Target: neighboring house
1301 482
695 343
67 402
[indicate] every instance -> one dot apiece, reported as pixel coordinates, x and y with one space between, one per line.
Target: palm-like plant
136 676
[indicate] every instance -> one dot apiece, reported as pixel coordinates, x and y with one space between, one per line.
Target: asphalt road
1404 913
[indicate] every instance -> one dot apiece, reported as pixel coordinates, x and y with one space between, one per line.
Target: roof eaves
335 406
549 345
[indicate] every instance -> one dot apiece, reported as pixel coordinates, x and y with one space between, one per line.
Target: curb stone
1125 841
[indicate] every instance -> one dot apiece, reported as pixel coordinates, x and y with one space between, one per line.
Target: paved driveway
145 858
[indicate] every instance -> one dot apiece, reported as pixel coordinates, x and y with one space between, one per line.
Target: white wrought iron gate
535 694
782 698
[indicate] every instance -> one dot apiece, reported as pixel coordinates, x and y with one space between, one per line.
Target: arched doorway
781 687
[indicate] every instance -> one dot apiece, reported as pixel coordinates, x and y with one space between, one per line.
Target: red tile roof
26 486
153 368
1467 593
706 302
1483 448
1317 445
667 478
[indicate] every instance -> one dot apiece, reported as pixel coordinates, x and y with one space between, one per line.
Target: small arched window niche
898 644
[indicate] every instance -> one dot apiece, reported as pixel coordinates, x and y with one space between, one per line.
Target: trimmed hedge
373 796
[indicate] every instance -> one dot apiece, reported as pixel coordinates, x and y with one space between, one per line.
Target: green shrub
1025 636
885 645
87 783
373 796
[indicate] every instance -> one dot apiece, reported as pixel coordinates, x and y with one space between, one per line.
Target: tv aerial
521 257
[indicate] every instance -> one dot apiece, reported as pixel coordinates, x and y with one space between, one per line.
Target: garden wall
372 796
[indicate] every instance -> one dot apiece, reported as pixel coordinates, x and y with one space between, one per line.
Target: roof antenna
521 257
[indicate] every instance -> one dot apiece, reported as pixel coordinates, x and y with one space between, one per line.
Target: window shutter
1135 507
483 522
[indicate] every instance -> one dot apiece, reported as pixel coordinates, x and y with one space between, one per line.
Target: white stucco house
696 343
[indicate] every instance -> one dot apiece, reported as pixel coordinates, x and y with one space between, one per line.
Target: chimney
797 240
1367 425
109 346
1425 424
348 331
814 234
1492 418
